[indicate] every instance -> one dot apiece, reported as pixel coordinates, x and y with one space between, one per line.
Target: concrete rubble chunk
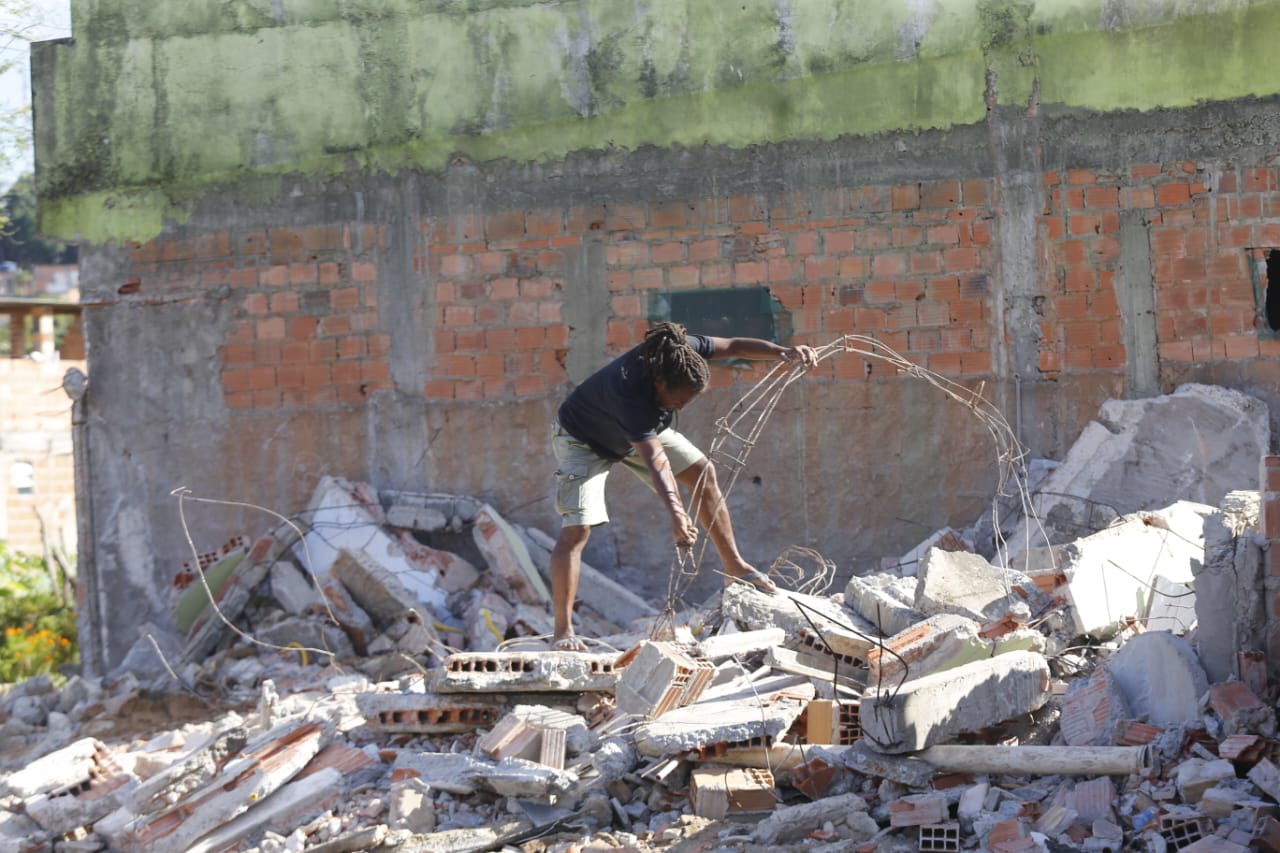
429 513
59 770
1140 567
350 616
496 672
376 588
347 515
1160 677
764 710
724 646
965 584
791 823
578 737
829 676
845 632
508 557
516 777
1240 709
908 565
874 600
1228 585
938 643
1197 775
455 773
917 809
412 806
1196 444
232 594
455 572
931 709
291 589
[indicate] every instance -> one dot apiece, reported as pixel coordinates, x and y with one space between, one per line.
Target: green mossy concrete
145 99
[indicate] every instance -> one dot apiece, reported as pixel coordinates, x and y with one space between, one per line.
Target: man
622 413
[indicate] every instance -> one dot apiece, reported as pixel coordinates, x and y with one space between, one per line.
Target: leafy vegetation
37 616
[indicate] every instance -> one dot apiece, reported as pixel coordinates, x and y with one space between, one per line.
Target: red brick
940 194
1270 524
906 197
666 253
1079 177
344 298
1173 194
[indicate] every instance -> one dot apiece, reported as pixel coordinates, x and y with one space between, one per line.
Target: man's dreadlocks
668 356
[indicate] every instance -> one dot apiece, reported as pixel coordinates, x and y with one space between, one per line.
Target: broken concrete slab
908 565
497 672
508 558
429 513
1141 567
965 584
931 709
725 646
884 601
455 572
455 773
791 823
1196 444
1160 677
941 642
292 805
347 515
765 709
377 589
844 631
291 589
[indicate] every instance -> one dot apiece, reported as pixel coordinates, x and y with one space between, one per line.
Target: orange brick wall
35 427
911 264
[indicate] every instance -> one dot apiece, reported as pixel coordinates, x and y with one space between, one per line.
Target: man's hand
805 354
683 531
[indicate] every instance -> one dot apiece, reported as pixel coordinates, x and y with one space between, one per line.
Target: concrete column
1135 291
17 334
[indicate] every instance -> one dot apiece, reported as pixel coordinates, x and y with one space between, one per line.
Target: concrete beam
765 709
929 710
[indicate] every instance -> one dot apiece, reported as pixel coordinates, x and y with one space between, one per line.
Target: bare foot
571 643
755 577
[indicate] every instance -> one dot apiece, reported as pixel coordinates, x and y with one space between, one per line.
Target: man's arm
756 349
664 482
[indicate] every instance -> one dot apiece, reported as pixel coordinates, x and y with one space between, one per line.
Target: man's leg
713 514
566 566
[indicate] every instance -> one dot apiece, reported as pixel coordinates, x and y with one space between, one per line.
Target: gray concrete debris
790 823
1139 568
931 709
508 558
1160 677
1196 444
1228 584
884 601
967 585
442 757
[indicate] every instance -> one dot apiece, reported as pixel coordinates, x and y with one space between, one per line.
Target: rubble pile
377 676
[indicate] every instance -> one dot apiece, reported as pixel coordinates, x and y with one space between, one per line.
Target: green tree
18 240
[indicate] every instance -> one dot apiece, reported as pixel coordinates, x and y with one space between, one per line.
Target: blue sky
36 20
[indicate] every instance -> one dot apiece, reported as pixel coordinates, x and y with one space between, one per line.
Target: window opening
747 312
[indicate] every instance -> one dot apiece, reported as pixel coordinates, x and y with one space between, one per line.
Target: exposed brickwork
304 331
912 265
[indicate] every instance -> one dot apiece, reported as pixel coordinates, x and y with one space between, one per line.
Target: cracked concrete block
1197 775
496 672
791 823
508 557
291 589
939 642
1160 677
62 769
1093 709
455 773
908 565
846 632
874 599
375 587
426 713
345 515
516 777
355 623
412 806
965 584
1141 567
1196 444
929 710
764 709
724 646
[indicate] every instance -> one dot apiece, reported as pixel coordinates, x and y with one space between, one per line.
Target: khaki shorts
581 472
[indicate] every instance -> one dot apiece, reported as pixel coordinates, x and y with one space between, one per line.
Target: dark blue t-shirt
616 405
